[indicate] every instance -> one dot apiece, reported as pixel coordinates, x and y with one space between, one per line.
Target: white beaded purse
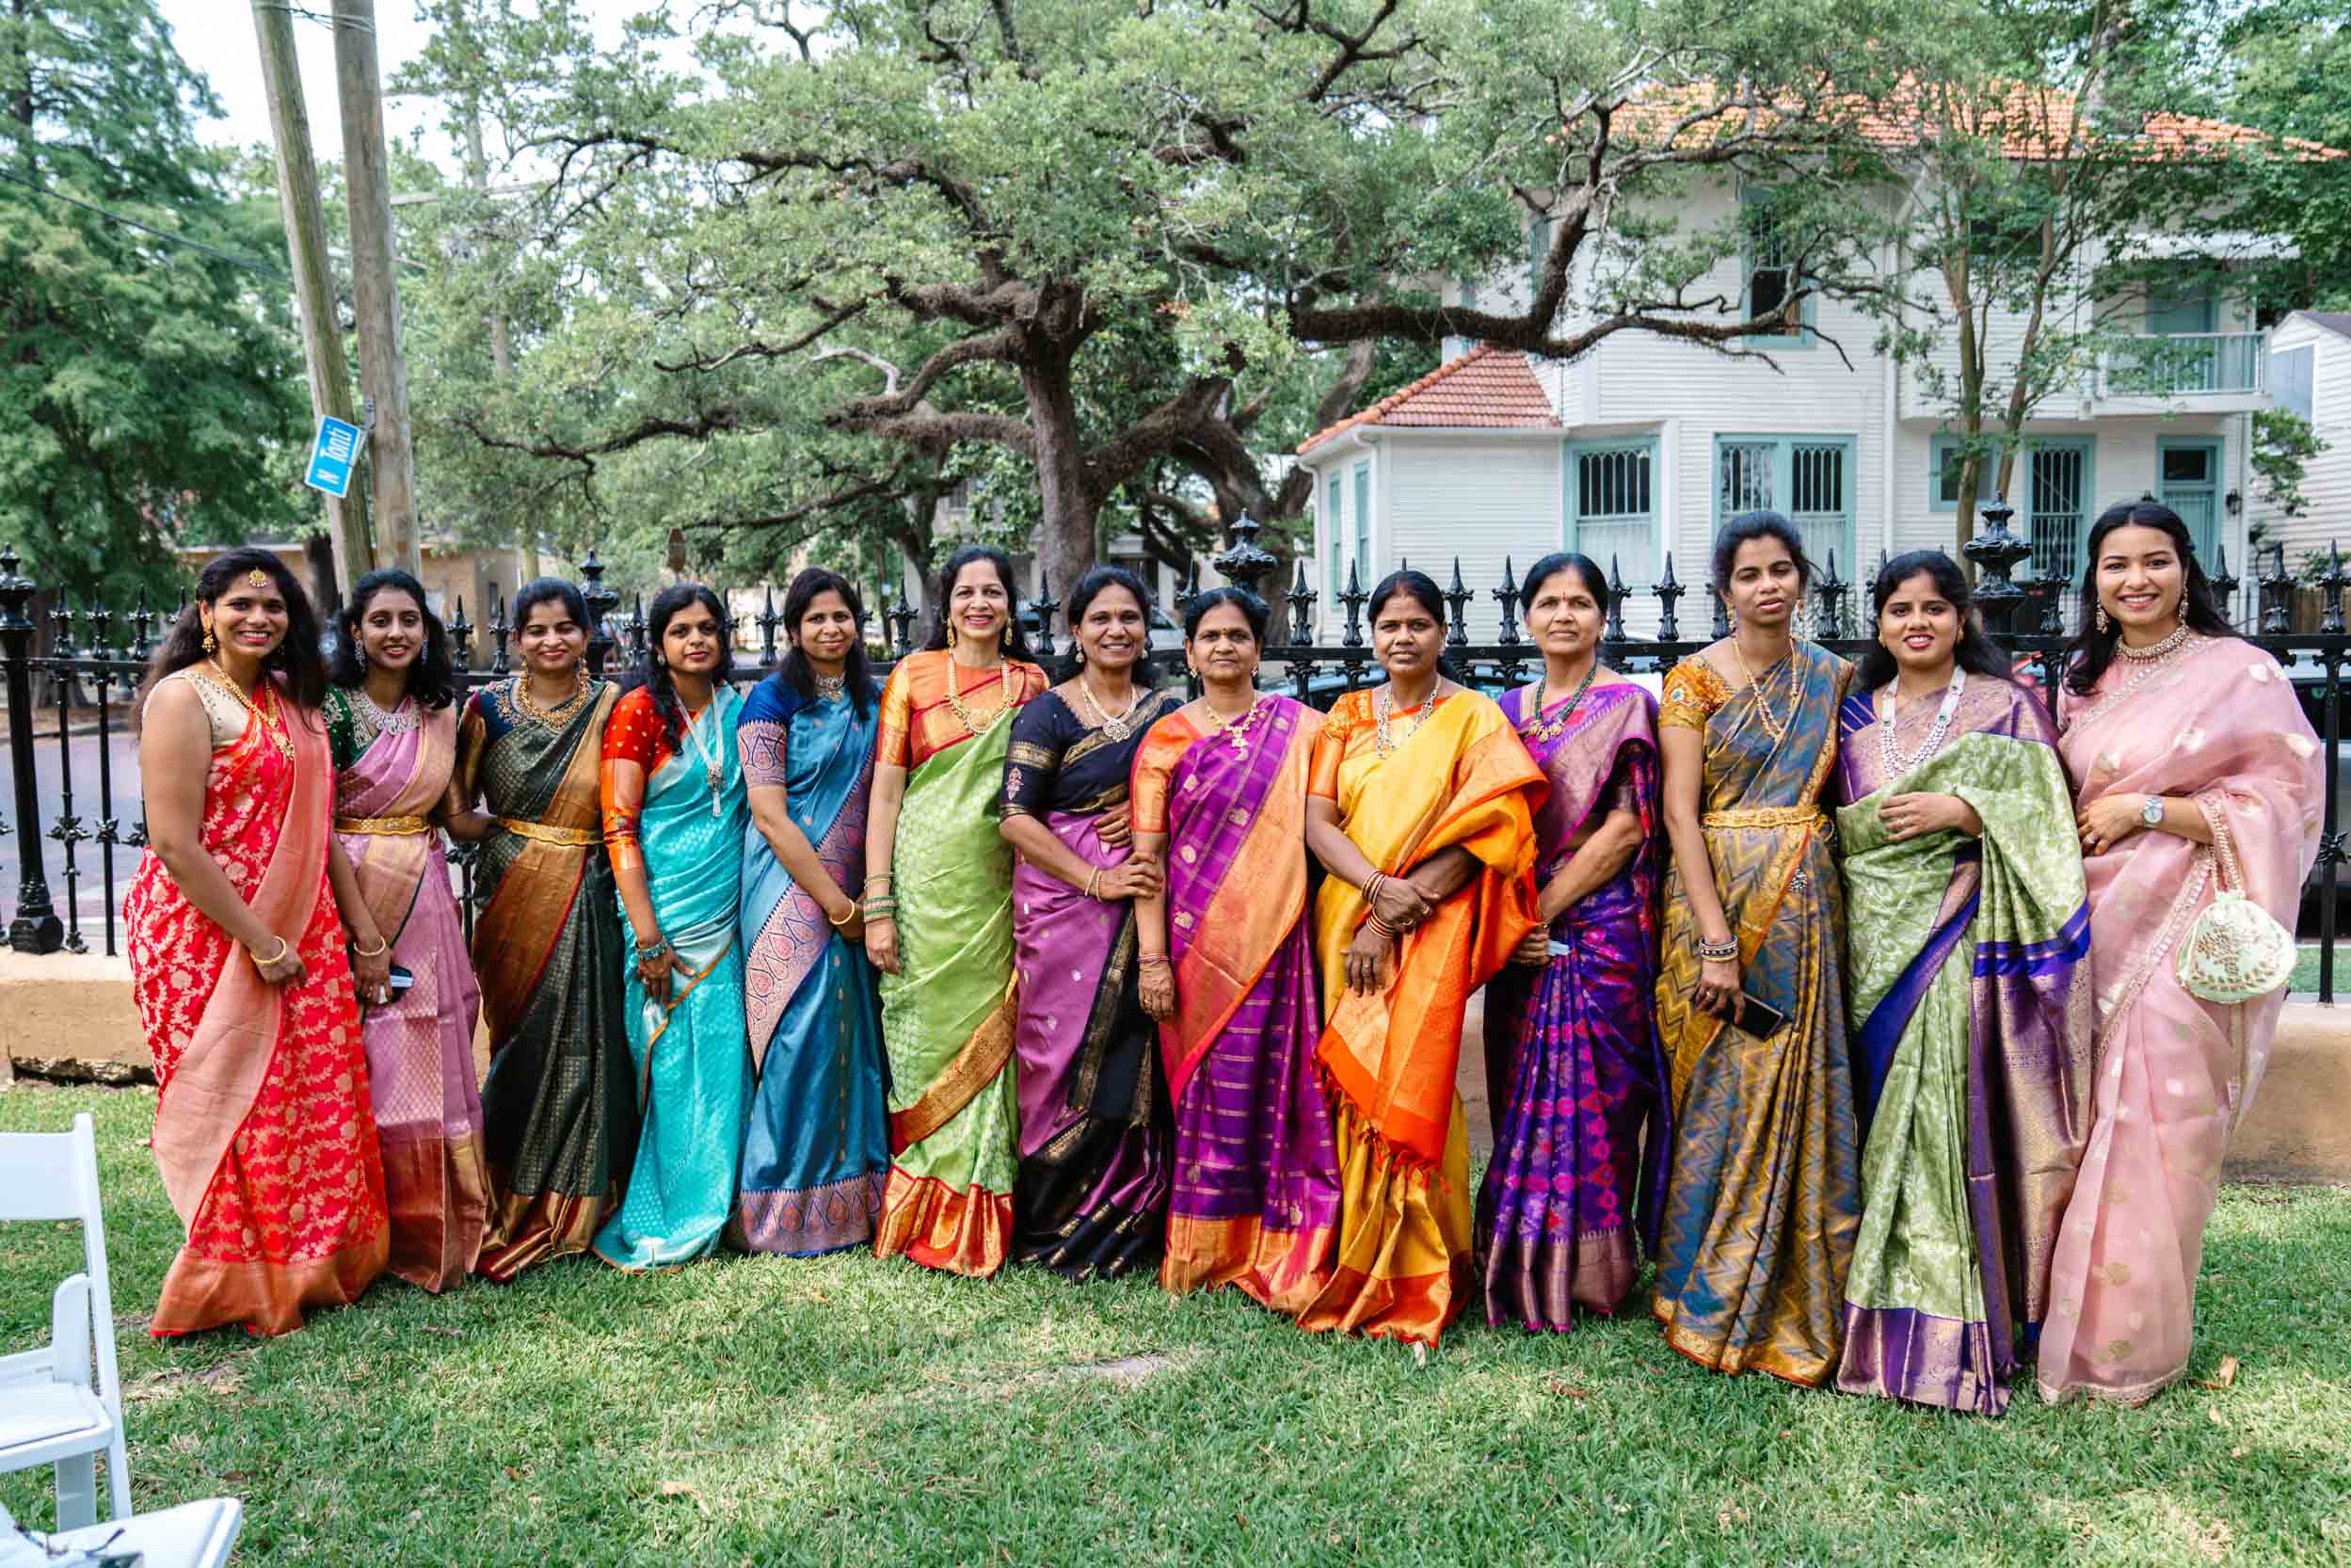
2234 951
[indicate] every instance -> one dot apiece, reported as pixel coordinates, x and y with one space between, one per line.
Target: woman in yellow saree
1421 805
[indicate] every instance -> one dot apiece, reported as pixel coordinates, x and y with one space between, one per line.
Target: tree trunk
1065 541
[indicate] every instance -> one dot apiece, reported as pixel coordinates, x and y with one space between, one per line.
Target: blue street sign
335 454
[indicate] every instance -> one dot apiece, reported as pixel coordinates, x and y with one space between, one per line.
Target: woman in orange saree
262 1122
392 721
1421 807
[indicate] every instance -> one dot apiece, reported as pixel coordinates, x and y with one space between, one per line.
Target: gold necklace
1236 729
1540 729
954 698
559 716
1772 726
271 729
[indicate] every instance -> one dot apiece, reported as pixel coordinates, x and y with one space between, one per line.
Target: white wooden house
2309 373
1645 444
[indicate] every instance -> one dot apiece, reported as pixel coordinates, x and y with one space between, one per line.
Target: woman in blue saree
816 1153
1968 968
674 822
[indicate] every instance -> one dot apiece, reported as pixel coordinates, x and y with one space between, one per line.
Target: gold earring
951 635
2103 622
2183 604
211 645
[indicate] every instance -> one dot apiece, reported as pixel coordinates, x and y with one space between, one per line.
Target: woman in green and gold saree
938 924
1762 1195
1967 945
559 1108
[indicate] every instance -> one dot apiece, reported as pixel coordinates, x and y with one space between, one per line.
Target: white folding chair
50 1412
193 1535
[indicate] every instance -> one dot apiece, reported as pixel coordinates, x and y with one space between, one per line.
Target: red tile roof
1486 389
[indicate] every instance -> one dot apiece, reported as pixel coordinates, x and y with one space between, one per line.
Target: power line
245 262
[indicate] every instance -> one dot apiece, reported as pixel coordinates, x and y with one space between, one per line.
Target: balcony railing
2185 364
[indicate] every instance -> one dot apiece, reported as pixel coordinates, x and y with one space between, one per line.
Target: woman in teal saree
1967 966
674 821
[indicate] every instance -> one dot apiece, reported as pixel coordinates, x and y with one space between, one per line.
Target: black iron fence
86 680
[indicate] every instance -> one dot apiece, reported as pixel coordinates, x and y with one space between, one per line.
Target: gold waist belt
388 826
1765 816
576 837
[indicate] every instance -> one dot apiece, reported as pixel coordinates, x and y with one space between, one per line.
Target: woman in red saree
263 1126
1420 804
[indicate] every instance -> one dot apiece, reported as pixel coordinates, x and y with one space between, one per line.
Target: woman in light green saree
1968 941
938 924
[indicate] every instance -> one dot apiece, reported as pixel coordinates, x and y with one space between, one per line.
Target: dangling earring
363 658
212 644
2103 622
1081 656
2183 604
950 636
1734 623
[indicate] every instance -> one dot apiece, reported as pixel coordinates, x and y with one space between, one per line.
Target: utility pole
313 283
375 284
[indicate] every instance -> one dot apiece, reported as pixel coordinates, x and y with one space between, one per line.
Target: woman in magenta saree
1574 1074
1227 968
1090 1200
2188 751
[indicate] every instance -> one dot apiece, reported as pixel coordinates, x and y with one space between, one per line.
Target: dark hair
1977 653
1745 529
1016 643
794 669
1093 585
2091 650
1417 585
297 659
432 676
547 590
1595 580
1260 618
652 671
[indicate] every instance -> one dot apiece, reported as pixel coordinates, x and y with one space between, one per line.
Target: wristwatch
2150 811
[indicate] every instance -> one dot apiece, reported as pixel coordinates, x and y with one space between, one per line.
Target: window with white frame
1807 479
1363 523
2293 379
1334 545
1612 510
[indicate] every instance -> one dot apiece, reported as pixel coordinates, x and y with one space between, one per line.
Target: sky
217 38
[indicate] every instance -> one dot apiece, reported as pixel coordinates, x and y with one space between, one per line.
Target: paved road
80 758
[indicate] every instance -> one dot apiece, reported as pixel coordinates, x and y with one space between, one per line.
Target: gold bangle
845 919
383 945
285 947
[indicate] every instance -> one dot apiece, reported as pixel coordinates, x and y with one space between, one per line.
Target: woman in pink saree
2183 742
391 722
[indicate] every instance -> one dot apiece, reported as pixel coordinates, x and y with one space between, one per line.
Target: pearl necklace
1116 728
2155 650
1384 704
1236 729
954 698
1538 728
1897 764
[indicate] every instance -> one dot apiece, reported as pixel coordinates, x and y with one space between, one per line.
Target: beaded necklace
1891 754
1540 729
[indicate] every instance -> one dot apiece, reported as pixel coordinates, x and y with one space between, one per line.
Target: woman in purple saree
1574 1073
1091 1199
1228 970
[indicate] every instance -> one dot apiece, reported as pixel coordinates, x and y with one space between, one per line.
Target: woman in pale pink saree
391 722
2183 742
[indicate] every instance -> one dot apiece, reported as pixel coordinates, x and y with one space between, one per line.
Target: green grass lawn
845 1410
2305 980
